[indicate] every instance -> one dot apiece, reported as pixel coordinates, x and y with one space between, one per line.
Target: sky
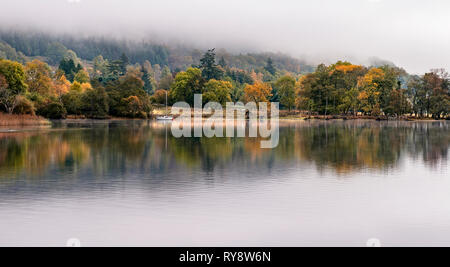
414 34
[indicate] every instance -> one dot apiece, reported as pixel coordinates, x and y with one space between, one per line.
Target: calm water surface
128 183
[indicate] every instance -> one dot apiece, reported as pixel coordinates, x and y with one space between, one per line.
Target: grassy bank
21 120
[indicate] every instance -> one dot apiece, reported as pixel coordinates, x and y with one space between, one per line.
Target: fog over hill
410 33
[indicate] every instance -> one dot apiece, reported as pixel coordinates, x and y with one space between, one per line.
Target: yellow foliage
61 85
348 68
258 92
86 86
363 95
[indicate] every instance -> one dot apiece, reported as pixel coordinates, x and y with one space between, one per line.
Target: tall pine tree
210 70
270 67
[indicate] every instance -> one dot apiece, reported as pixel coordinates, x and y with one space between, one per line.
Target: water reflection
128 183
146 147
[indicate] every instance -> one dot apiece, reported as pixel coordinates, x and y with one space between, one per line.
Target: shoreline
8 120
287 118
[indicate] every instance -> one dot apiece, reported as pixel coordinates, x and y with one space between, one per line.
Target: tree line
103 88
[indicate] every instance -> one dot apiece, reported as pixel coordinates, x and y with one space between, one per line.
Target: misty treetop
22 46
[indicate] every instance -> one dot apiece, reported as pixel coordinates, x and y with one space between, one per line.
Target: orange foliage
258 92
61 85
348 68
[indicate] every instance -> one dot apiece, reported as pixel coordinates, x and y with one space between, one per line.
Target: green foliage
82 77
222 62
430 94
38 77
239 76
55 53
95 103
166 80
15 76
100 66
210 70
270 67
187 84
73 102
69 68
286 91
149 86
8 52
53 109
124 62
119 94
217 91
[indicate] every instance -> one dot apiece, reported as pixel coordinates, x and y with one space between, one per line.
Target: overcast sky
414 34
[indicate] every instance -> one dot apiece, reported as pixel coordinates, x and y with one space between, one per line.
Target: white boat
165 117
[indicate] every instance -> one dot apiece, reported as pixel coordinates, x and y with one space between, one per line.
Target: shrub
24 106
95 103
53 110
72 101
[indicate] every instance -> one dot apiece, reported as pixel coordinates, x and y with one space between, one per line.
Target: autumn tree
159 97
370 91
14 74
258 92
126 86
437 85
38 78
61 84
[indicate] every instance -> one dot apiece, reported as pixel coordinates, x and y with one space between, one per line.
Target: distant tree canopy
19 45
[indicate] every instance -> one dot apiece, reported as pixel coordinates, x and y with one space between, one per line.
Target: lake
130 183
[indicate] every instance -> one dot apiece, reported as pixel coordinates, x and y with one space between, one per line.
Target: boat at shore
166 117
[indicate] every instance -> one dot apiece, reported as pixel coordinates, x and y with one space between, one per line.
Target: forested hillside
19 45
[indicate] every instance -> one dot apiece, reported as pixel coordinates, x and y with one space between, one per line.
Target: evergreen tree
222 62
124 63
270 67
69 68
148 86
210 70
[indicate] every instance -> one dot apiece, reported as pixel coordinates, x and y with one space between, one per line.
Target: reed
21 120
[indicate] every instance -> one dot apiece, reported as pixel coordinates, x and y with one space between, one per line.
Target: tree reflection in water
113 148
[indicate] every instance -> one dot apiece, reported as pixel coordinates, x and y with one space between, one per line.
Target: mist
411 33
